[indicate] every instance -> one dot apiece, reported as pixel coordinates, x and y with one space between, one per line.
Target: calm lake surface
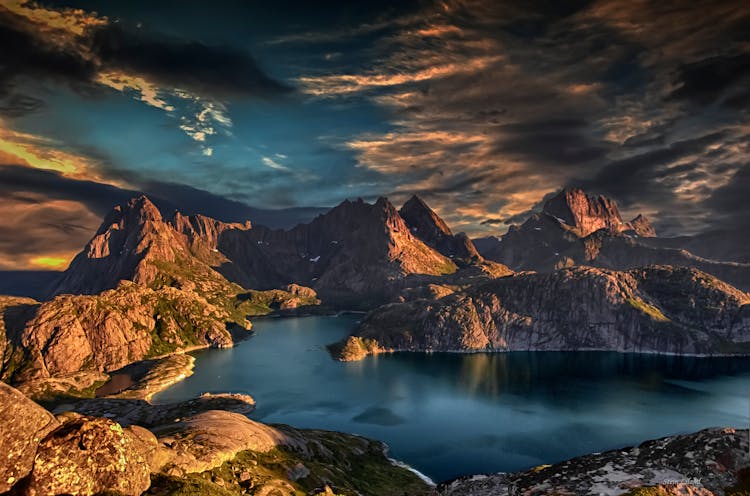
448 415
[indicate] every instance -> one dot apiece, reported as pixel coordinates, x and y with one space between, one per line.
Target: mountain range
574 228
147 287
574 276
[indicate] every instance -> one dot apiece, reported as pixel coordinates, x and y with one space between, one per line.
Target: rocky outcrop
709 462
107 331
642 227
189 447
23 424
206 440
427 226
655 309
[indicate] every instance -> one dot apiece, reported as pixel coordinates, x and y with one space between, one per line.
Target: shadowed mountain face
577 229
426 225
356 250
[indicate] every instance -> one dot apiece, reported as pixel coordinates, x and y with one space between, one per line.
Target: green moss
648 309
189 485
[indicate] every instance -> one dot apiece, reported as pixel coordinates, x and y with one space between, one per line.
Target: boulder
22 424
88 455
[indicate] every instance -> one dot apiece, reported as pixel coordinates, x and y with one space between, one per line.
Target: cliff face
584 214
656 309
427 226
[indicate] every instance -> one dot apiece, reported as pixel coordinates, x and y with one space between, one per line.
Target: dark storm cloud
633 177
25 53
730 202
612 95
720 78
556 141
38 50
212 70
492 222
100 198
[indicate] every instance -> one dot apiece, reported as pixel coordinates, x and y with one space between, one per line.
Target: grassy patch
648 309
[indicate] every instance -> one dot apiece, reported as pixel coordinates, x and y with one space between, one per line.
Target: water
452 414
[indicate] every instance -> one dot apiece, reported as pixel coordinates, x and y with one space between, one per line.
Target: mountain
131 241
577 229
427 226
655 309
583 214
356 253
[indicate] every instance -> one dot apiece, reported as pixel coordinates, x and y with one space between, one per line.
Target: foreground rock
655 309
88 455
709 462
23 424
190 448
221 453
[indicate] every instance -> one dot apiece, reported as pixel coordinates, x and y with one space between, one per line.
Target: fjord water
453 414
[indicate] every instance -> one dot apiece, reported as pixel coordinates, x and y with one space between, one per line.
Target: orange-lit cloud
42 233
350 83
42 153
73 21
54 262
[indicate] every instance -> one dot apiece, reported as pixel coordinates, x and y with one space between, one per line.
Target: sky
483 108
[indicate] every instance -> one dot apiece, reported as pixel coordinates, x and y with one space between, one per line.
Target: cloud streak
493 105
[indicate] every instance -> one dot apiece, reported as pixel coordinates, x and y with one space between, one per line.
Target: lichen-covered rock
701 464
87 456
22 424
654 309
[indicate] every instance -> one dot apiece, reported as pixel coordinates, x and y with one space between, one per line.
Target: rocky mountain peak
642 226
427 226
584 213
132 233
420 217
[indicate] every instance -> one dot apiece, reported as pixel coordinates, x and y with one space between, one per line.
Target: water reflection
452 414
